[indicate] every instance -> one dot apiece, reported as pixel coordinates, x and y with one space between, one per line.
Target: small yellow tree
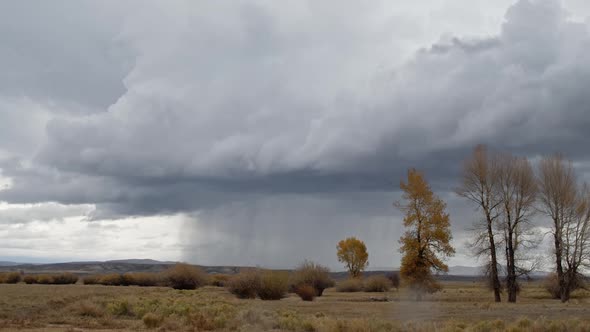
427 237
353 253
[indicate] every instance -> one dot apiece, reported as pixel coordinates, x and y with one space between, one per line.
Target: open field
461 306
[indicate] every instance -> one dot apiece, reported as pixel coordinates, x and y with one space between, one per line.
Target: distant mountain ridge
140 261
2 263
150 265
91 267
461 270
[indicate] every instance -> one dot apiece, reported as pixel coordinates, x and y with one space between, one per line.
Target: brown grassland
460 306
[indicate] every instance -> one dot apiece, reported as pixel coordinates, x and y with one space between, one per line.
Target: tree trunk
569 280
563 287
511 273
494 262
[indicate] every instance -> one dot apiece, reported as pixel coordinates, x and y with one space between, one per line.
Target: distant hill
140 261
456 273
92 267
9 263
112 266
475 271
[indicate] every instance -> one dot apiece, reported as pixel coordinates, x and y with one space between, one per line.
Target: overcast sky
262 132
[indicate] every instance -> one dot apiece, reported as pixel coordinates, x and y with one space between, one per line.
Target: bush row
51 279
127 279
180 276
10 278
308 281
376 283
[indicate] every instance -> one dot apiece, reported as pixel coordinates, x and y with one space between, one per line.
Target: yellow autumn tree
426 243
353 253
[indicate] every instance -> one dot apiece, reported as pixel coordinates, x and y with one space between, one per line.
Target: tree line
512 197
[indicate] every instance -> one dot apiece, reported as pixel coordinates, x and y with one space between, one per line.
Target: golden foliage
427 239
353 253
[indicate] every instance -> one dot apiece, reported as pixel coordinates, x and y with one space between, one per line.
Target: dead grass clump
185 276
350 286
201 321
306 292
524 324
360 325
220 280
152 320
377 283
10 278
88 309
315 275
120 308
273 285
245 285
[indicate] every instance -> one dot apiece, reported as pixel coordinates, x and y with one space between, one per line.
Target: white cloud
73 238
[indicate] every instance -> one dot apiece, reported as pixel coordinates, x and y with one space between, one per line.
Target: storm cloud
280 128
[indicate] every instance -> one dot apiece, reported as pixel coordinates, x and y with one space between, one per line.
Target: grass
461 306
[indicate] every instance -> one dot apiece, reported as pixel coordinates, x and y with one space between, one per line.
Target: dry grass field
461 306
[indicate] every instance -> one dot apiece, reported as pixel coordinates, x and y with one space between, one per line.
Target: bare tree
517 191
478 184
569 208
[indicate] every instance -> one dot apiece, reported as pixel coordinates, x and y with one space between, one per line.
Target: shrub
220 280
185 276
350 286
152 320
64 279
91 280
114 279
306 292
245 285
377 283
30 279
551 284
273 285
44 279
141 279
315 275
394 279
10 278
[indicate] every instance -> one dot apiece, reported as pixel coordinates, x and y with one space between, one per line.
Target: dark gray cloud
252 112
62 52
248 114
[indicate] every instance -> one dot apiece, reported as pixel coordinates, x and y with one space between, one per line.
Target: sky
263 132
